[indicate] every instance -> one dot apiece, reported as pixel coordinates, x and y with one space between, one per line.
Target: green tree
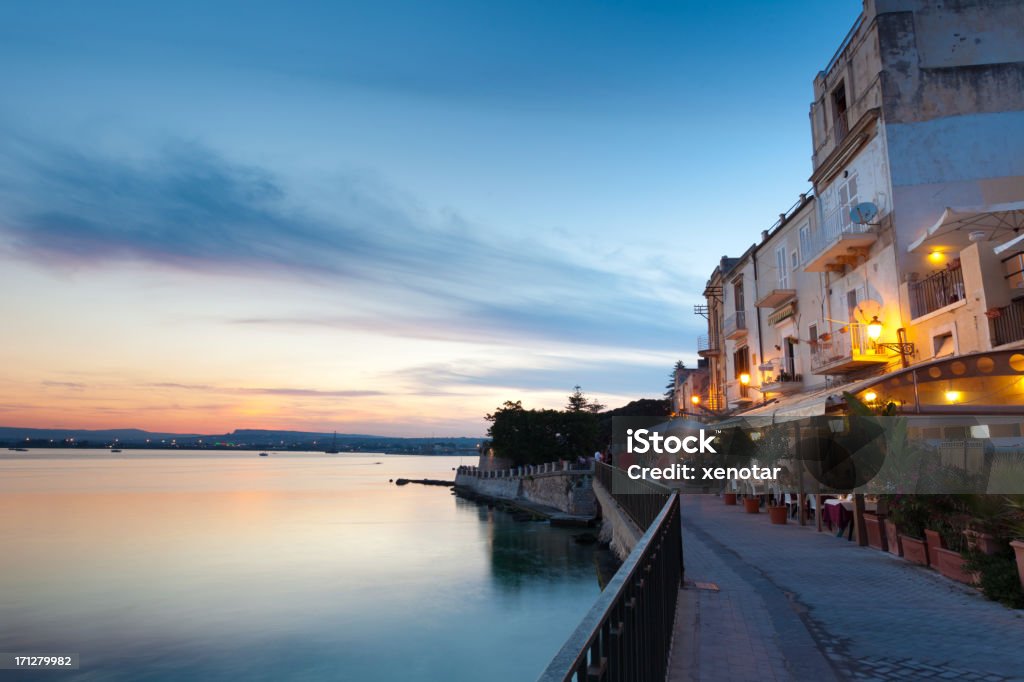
537 436
579 402
670 387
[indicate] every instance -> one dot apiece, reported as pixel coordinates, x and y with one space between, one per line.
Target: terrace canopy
992 222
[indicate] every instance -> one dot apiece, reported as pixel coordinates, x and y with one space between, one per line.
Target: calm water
205 566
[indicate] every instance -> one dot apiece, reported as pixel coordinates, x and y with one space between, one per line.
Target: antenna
864 213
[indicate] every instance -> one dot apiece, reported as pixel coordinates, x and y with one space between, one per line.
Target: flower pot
985 543
951 565
730 499
751 505
892 538
915 550
876 531
1018 549
778 515
934 541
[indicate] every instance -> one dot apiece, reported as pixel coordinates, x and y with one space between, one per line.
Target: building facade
909 252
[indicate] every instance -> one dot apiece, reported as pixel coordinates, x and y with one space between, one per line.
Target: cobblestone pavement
795 604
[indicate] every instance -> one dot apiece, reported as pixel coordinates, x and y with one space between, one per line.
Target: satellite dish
862 214
867 309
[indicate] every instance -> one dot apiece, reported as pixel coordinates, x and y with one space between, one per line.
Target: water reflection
166 568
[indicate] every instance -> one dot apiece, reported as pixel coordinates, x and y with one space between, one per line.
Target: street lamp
874 328
695 399
744 378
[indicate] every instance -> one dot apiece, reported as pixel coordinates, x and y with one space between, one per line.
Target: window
741 361
812 331
942 345
794 260
780 266
805 239
839 112
738 291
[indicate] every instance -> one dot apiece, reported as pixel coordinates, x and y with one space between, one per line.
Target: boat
263 454
334 445
115 449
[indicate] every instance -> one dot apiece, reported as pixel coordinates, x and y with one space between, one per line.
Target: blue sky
381 208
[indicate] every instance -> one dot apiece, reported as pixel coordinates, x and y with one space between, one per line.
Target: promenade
788 603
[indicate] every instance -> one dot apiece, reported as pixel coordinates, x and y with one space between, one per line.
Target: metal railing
832 228
840 345
641 500
627 634
785 372
735 322
1008 326
936 291
708 343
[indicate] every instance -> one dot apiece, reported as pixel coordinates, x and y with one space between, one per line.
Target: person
597 456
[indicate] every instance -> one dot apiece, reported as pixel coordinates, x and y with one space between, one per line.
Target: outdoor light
952 396
870 396
744 378
695 399
935 256
874 328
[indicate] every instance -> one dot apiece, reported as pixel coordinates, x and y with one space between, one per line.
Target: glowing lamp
744 378
936 256
874 328
695 399
952 396
870 396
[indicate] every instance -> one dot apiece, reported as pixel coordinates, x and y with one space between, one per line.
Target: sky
381 217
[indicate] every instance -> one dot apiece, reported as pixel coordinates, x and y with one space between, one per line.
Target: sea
209 565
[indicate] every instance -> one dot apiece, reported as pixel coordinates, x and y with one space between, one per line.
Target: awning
956 225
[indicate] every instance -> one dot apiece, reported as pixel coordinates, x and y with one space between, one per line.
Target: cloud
299 392
186 207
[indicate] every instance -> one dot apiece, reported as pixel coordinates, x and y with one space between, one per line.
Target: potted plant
910 514
948 556
730 499
774 445
752 504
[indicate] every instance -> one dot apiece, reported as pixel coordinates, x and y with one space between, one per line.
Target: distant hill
11 436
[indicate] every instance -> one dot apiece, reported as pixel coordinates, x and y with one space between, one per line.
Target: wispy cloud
186 206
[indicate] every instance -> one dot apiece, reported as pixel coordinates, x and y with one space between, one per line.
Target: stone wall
617 529
501 488
552 485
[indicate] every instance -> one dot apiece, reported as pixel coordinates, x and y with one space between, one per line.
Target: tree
579 402
670 387
536 436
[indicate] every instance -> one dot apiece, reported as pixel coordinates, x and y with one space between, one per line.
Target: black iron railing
1008 324
627 634
641 500
936 291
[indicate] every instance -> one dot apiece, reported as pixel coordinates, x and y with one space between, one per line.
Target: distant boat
115 449
263 454
334 445
19 449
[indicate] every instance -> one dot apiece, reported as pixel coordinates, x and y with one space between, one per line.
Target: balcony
736 325
708 345
782 378
846 351
936 291
838 242
1008 323
773 298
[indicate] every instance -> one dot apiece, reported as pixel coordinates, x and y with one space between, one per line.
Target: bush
999 579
